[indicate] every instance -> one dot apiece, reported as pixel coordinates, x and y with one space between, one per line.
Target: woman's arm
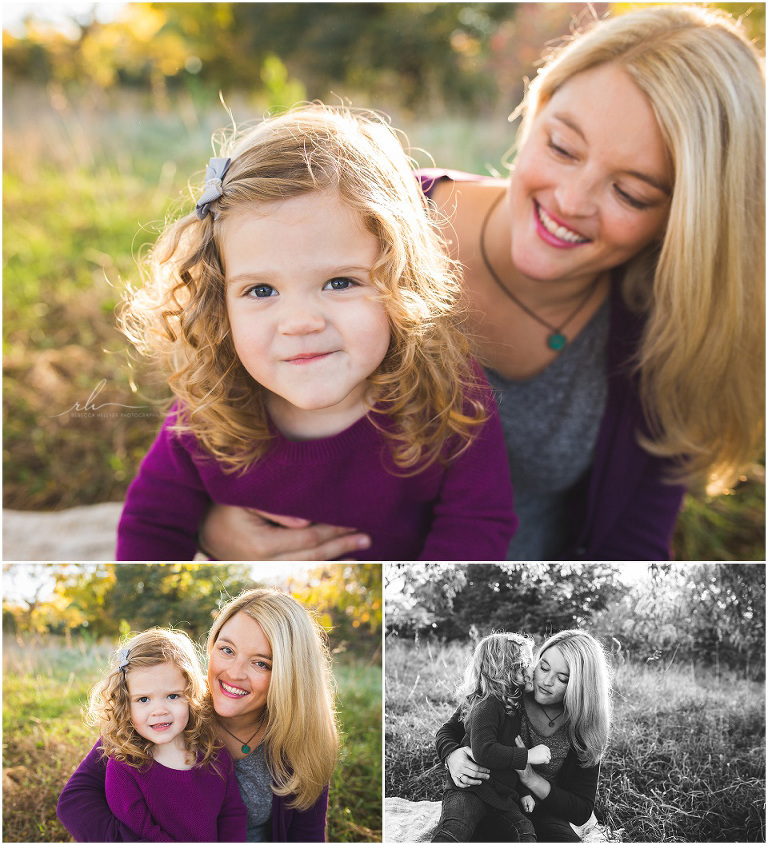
309 825
464 770
572 796
234 533
83 808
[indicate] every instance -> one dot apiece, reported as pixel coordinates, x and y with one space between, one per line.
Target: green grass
686 760
86 182
45 686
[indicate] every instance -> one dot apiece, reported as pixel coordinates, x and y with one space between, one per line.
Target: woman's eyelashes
624 196
337 283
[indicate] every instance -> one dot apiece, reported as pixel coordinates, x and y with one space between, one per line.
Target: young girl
167 779
307 314
491 696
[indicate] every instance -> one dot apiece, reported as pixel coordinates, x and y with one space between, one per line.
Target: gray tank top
551 422
255 784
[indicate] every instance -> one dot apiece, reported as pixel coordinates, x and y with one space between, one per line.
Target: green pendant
246 749
556 341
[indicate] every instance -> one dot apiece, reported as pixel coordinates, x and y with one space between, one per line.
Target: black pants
463 811
495 828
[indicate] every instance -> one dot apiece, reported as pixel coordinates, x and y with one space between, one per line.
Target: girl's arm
474 518
127 802
457 757
487 720
82 807
233 818
574 801
164 504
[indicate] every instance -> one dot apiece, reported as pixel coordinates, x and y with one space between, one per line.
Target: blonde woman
569 712
616 289
306 315
269 687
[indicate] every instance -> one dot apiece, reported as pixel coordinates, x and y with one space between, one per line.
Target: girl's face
159 705
592 183
550 677
305 321
240 667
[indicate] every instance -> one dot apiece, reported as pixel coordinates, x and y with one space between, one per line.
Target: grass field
87 181
686 760
45 686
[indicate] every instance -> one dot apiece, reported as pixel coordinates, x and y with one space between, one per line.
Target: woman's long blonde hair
109 706
497 659
301 739
587 699
701 362
426 385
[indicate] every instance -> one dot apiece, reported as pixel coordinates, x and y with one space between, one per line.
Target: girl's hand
539 755
527 803
233 533
464 771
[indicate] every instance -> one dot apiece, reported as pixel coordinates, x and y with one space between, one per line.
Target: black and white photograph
575 702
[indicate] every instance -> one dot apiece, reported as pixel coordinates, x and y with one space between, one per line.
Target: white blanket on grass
415 821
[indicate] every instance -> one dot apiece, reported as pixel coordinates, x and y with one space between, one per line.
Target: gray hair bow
215 171
122 658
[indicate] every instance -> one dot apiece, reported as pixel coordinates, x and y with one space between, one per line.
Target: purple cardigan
623 510
462 511
83 810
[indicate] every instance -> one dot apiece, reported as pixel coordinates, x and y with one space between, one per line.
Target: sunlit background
107 114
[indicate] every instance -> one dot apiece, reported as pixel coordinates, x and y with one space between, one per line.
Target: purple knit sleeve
127 802
474 518
164 504
82 807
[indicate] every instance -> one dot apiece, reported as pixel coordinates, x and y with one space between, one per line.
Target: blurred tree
537 598
708 613
347 599
178 594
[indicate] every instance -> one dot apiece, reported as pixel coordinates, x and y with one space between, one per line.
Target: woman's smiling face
591 185
240 667
550 677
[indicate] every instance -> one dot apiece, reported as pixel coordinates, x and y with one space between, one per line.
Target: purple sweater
462 511
623 510
84 811
168 805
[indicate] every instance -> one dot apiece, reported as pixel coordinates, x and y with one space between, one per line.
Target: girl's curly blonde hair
109 707
427 385
497 660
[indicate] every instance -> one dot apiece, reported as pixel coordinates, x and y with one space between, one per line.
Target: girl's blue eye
339 284
173 696
143 699
260 664
261 291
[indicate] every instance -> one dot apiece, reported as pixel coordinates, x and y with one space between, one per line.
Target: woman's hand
527 803
233 533
464 771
